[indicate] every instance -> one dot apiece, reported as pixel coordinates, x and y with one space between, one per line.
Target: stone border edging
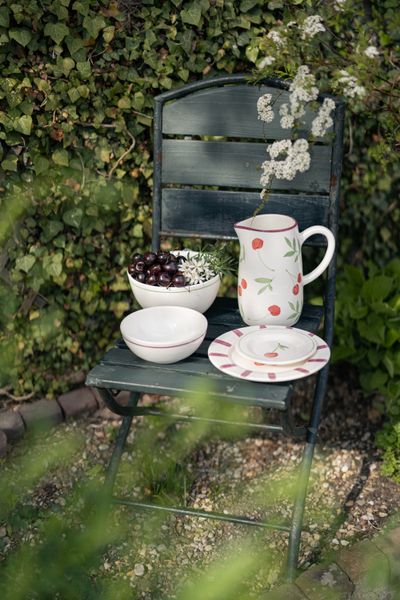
369 570
73 404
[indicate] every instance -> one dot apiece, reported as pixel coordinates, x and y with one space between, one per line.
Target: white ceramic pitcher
270 279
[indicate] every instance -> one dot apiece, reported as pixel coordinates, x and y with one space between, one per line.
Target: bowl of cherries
177 278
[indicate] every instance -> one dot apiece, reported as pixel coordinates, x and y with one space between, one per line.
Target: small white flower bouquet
288 157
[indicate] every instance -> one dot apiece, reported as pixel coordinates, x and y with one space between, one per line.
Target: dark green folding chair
196 193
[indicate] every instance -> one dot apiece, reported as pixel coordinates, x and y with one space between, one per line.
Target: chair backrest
208 149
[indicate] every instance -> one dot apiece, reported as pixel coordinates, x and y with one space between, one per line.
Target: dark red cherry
141 277
179 280
151 280
162 257
131 268
150 258
140 266
155 269
164 279
170 268
136 256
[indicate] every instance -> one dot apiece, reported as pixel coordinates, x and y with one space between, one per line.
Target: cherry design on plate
243 284
299 278
296 289
240 290
274 310
274 352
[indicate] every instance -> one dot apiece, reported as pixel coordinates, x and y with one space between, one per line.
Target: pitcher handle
330 238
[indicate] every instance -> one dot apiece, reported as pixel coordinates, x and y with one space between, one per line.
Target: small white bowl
164 334
199 296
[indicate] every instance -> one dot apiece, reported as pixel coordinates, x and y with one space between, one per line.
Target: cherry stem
263 263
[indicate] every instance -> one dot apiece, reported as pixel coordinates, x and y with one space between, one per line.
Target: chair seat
120 369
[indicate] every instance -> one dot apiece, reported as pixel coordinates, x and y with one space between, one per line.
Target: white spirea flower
276 37
278 147
302 90
350 85
311 26
371 52
196 270
266 62
294 158
323 121
264 109
287 120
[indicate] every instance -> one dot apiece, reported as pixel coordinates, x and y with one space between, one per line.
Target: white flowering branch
287 158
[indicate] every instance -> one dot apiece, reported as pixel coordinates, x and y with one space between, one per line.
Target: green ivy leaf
184 74
25 263
124 102
56 31
74 44
10 163
50 230
84 68
4 17
73 217
83 91
81 7
40 164
73 94
52 264
108 34
246 5
192 14
23 124
66 65
138 100
21 36
252 53
60 157
93 25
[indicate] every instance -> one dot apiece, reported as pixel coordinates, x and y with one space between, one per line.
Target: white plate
223 355
276 345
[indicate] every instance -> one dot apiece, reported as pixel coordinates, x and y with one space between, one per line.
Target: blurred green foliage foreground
67 561
61 551
76 101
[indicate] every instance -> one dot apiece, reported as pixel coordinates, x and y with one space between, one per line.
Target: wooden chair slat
229 111
156 379
237 164
213 213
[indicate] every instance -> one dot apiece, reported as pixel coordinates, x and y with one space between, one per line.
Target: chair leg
298 511
123 432
304 475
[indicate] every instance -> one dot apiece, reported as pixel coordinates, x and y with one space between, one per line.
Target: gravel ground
349 498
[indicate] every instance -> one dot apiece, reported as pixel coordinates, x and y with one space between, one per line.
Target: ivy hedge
76 101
